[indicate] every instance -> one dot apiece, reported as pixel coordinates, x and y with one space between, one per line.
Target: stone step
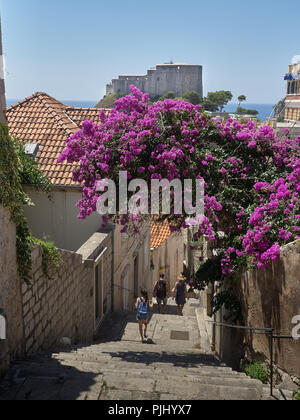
163 381
179 359
147 352
56 368
68 369
94 387
85 380
278 394
138 348
162 362
88 387
183 390
46 369
123 365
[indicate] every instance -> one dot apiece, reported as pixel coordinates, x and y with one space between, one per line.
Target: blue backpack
143 307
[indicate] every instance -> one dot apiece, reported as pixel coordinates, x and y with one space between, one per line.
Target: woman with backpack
143 305
180 292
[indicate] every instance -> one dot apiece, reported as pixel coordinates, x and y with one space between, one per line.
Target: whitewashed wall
58 220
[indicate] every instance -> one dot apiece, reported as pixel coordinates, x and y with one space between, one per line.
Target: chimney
2 84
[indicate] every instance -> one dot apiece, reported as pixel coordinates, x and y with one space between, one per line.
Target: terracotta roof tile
160 231
44 120
78 115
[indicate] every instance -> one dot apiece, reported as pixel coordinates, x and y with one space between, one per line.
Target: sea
81 104
265 110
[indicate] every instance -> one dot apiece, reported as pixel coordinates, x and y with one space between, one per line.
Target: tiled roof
44 120
160 231
78 115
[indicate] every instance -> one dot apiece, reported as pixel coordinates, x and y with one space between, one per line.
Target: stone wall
60 307
101 244
65 305
39 315
10 292
270 299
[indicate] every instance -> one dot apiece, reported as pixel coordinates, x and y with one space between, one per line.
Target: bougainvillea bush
251 176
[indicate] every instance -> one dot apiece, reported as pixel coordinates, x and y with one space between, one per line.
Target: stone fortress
177 77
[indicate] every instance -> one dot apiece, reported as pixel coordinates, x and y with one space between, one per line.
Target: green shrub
257 370
108 101
51 256
296 395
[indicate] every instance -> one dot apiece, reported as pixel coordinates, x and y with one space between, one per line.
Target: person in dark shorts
161 291
143 306
180 294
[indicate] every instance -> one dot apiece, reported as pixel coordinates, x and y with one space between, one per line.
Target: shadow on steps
176 359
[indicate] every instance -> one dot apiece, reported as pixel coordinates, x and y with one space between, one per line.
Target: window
292 88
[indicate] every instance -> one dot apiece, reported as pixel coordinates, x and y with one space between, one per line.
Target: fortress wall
180 79
164 78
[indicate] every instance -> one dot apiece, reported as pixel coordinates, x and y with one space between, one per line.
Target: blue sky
72 48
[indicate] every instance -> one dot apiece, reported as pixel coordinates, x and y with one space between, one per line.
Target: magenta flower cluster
275 220
251 174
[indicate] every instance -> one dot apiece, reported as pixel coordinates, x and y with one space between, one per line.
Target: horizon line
95 100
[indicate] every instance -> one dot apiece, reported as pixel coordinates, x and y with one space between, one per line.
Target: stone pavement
174 364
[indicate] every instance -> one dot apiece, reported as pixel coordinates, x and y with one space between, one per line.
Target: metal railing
271 336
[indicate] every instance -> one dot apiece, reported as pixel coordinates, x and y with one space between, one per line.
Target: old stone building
177 77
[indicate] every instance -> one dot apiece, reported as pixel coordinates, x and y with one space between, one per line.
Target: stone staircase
119 367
